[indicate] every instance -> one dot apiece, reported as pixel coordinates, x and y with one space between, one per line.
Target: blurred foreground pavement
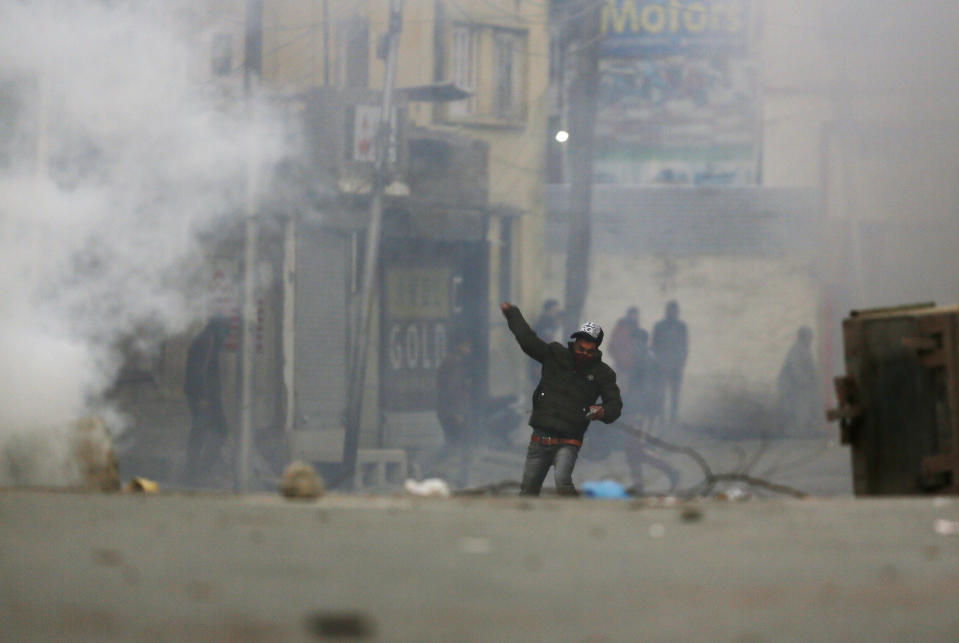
174 567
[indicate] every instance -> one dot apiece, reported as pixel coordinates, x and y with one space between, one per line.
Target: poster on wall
678 94
417 316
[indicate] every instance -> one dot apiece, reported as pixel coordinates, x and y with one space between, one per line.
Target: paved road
175 567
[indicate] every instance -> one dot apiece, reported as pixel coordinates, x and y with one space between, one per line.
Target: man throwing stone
572 378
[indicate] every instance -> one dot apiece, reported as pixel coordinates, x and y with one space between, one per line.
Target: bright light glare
562 136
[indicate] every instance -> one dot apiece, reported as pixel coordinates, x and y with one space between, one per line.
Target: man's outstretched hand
596 412
505 306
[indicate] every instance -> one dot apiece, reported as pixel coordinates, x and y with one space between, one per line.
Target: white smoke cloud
118 154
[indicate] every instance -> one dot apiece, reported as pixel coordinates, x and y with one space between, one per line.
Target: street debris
300 481
430 488
474 545
504 487
141 485
945 527
604 489
691 513
661 501
657 530
340 625
107 557
734 493
710 478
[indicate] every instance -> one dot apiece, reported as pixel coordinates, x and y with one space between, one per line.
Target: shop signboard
678 94
418 305
667 27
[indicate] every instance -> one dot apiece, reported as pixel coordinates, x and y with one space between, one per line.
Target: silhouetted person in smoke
645 398
627 345
671 346
628 342
455 408
546 325
800 405
204 394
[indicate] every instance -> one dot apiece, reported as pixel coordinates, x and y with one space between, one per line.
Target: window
464 54
357 54
490 63
508 80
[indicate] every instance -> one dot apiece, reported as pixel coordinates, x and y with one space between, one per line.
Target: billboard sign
669 27
678 94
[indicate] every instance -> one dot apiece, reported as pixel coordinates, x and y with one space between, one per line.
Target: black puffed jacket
564 393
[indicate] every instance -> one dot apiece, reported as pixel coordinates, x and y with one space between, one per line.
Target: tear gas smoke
114 155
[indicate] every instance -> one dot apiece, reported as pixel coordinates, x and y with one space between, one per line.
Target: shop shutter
320 345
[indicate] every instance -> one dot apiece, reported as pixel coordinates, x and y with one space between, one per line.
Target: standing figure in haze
454 403
798 388
572 378
546 328
627 345
628 342
671 346
203 391
645 394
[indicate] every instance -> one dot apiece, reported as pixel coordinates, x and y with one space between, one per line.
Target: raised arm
525 337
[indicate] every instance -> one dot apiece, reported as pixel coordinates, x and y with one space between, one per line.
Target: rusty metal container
899 400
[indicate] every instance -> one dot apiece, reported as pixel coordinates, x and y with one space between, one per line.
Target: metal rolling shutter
320 344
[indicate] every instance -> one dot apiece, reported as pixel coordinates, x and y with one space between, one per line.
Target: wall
741 262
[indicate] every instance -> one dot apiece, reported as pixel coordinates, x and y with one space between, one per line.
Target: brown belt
548 442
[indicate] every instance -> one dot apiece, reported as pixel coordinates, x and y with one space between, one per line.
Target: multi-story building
464 205
467 213
801 169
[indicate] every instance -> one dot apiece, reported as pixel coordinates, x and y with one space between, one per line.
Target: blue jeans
539 459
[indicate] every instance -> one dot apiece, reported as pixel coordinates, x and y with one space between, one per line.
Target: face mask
581 360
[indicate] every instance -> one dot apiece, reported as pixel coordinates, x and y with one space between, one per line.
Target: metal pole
42 146
371 260
253 65
582 119
43 107
326 43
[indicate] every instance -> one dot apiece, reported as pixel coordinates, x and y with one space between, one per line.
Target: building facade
463 228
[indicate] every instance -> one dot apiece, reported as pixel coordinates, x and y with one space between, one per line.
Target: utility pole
371 261
253 65
42 141
582 120
326 43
